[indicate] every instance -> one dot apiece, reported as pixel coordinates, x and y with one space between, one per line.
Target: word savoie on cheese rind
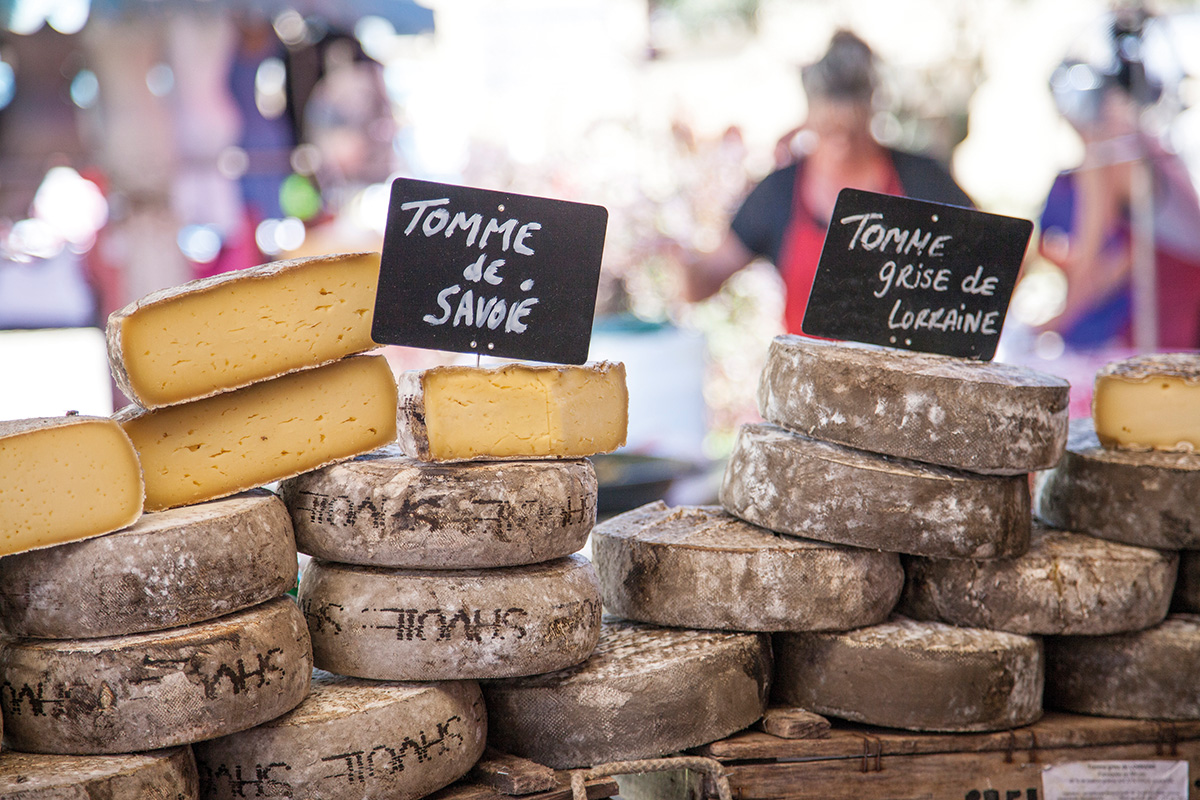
265 432
64 479
221 333
515 411
1149 402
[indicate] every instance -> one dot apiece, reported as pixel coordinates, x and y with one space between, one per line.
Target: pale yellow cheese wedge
1149 402
237 328
63 479
515 411
265 432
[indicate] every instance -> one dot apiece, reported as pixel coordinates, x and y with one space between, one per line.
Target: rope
710 767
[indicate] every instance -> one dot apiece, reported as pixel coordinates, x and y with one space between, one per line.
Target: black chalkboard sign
477 271
916 275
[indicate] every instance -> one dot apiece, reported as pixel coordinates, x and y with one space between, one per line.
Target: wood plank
935 776
794 723
512 775
848 741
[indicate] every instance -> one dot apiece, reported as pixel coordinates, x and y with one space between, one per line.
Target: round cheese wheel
1068 583
803 487
923 676
172 568
645 692
1187 584
123 694
1146 498
168 774
980 416
423 625
351 739
386 509
1148 674
700 567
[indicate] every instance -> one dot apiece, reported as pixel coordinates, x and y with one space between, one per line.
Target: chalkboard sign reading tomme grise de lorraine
478 271
916 275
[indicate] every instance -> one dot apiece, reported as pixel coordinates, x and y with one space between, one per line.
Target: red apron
801 249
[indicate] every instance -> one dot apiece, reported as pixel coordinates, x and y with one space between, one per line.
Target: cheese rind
423 625
645 692
265 432
923 676
1068 583
700 567
1149 674
1149 402
984 417
1141 498
125 694
171 568
386 509
64 479
160 774
802 487
237 328
352 739
515 411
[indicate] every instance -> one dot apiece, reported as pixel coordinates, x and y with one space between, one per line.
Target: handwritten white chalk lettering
476 272
480 312
943 319
977 284
433 219
877 236
912 276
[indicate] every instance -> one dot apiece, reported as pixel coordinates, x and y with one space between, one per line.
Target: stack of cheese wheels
1131 476
907 453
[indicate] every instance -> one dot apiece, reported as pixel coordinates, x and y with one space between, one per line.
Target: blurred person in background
1087 226
785 217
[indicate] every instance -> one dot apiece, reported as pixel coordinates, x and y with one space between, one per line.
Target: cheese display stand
920 580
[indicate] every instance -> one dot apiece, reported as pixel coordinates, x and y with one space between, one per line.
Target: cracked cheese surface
218 334
265 432
65 479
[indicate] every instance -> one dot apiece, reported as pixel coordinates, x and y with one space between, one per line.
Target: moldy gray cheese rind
799 486
1068 583
923 676
1146 498
389 510
983 417
645 692
168 774
700 567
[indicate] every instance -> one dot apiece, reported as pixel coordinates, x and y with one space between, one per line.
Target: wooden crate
864 763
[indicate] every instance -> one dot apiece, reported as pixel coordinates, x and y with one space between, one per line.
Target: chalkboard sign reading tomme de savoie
478 271
921 276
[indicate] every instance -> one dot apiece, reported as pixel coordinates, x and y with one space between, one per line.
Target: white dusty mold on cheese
1068 583
237 328
700 567
64 479
265 432
817 490
979 416
168 774
171 568
515 411
125 694
1149 674
646 692
1149 402
423 625
351 739
924 676
1141 498
389 510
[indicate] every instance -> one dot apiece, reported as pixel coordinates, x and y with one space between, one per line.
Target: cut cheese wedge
64 479
265 432
1149 402
515 411
237 328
